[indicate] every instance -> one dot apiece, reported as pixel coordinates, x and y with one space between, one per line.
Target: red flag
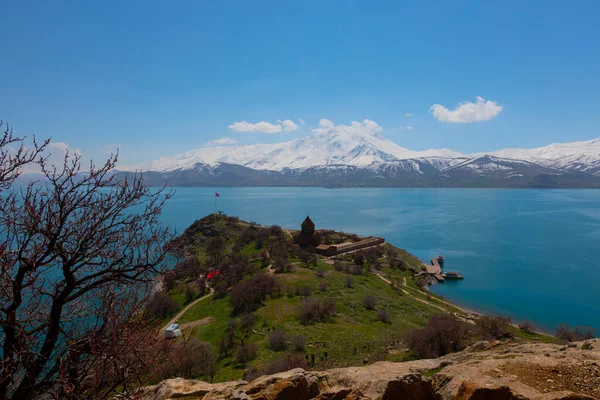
217 194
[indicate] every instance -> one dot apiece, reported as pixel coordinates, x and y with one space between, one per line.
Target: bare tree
14 155
527 326
278 340
442 335
68 244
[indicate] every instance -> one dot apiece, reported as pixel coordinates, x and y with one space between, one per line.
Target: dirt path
199 322
288 232
185 309
414 297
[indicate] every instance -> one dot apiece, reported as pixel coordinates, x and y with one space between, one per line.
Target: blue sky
161 78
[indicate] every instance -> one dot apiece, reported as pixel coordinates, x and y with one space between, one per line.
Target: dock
436 270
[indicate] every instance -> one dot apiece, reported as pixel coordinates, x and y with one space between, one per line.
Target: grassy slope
352 337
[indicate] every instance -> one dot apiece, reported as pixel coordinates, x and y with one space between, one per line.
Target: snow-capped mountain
357 155
358 145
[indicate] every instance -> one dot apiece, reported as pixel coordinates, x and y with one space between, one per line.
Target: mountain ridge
372 160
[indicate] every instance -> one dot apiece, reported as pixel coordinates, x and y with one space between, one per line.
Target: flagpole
215 203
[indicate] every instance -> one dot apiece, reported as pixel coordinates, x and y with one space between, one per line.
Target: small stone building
308 237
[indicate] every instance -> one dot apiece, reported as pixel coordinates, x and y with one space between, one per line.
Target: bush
161 306
493 327
304 291
369 302
320 272
359 258
277 340
578 333
298 343
285 363
191 292
313 310
248 295
349 282
188 359
169 280
383 316
442 335
246 353
527 326
281 264
338 265
322 286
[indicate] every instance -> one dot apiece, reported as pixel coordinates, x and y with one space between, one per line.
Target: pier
435 269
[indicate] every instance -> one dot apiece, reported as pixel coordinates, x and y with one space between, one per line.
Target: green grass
352 336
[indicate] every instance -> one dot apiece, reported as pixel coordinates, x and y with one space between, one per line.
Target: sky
160 78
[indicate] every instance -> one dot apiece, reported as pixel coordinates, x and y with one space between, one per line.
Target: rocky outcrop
496 371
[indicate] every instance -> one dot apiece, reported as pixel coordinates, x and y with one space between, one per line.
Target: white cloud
365 127
226 141
408 115
265 127
59 149
289 125
112 148
55 153
467 112
262 127
409 128
301 121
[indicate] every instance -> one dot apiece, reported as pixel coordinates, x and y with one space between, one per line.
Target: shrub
493 327
578 333
313 310
285 363
281 264
349 282
322 286
246 353
337 265
248 295
369 302
189 359
383 316
191 292
358 257
304 291
169 280
320 272
442 335
277 340
298 343
161 306
220 287
527 326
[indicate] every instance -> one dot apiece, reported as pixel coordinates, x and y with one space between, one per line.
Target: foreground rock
497 371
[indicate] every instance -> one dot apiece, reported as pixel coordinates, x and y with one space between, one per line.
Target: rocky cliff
495 370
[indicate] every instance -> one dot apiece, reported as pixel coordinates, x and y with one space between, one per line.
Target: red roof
212 274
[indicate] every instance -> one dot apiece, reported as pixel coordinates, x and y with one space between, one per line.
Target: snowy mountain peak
360 144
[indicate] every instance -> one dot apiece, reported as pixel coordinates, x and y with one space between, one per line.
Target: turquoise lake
528 254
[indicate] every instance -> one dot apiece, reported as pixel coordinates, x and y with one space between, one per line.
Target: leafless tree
277 340
298 343
493 327
78 251
442 335
526 326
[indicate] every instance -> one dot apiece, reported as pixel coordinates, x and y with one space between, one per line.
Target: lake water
529 254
